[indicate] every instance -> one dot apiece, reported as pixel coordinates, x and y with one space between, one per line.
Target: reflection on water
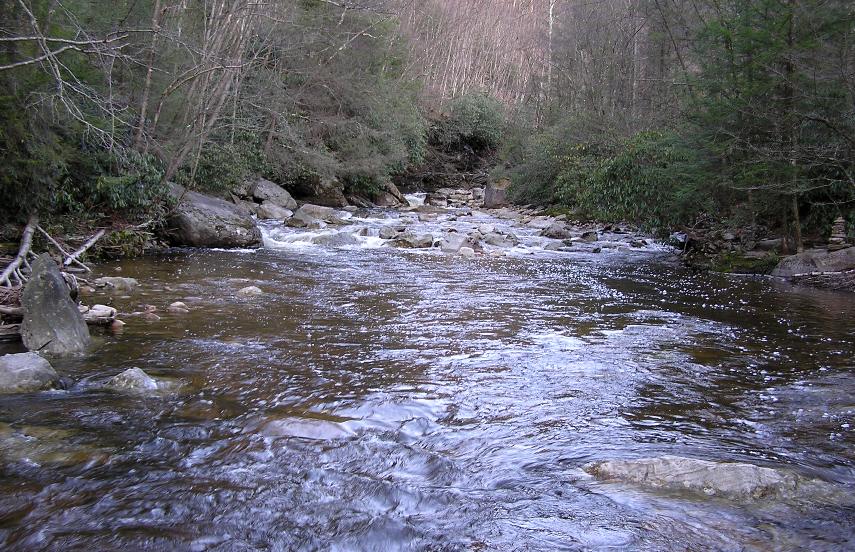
376 399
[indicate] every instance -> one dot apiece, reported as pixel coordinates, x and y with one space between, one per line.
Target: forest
665 113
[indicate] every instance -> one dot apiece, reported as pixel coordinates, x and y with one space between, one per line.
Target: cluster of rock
265 199
450 197
53 324
838 239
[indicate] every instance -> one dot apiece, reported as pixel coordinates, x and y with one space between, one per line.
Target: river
375 398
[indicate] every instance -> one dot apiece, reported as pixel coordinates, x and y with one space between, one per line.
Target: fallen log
10 332
65 255
13 271
89 243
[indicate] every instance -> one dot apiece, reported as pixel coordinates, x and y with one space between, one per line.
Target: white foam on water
415 200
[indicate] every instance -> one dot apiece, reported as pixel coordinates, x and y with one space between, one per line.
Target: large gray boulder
496 194
389 196
271 211
200 220
267 191
321 190
25 373
52 324
816 260
725 479
557 230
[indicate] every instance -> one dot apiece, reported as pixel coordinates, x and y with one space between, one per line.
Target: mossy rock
742 263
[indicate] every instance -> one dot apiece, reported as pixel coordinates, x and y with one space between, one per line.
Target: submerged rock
339 239
46 445
52 323
725 479
250 291
25 373
204 221
137 382
118 283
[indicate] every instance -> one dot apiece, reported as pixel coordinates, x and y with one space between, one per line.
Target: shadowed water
379 399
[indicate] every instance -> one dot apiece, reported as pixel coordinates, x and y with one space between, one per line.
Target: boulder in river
390 196
200 220
271 211
250 291
725 479
117 283
99 315
500 240
390 232
496 194
265 191
137 382
25 373
556 230
413 241
453 242
52 323
816 260
337 239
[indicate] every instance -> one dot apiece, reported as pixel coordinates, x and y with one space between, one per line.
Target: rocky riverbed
435 377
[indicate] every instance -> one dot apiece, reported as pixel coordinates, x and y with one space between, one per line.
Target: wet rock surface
731 480
204 221
25 373
816 260
52 323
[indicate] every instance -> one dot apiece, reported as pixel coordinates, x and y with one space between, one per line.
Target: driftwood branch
13 270
65 254
11 311
89 243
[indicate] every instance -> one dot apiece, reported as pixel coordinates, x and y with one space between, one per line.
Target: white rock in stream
250 291
132 380
98 315
730 480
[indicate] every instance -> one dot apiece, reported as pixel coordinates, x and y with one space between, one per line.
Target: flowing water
383 399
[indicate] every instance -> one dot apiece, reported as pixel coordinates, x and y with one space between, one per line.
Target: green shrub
225 164
475 120
650 180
